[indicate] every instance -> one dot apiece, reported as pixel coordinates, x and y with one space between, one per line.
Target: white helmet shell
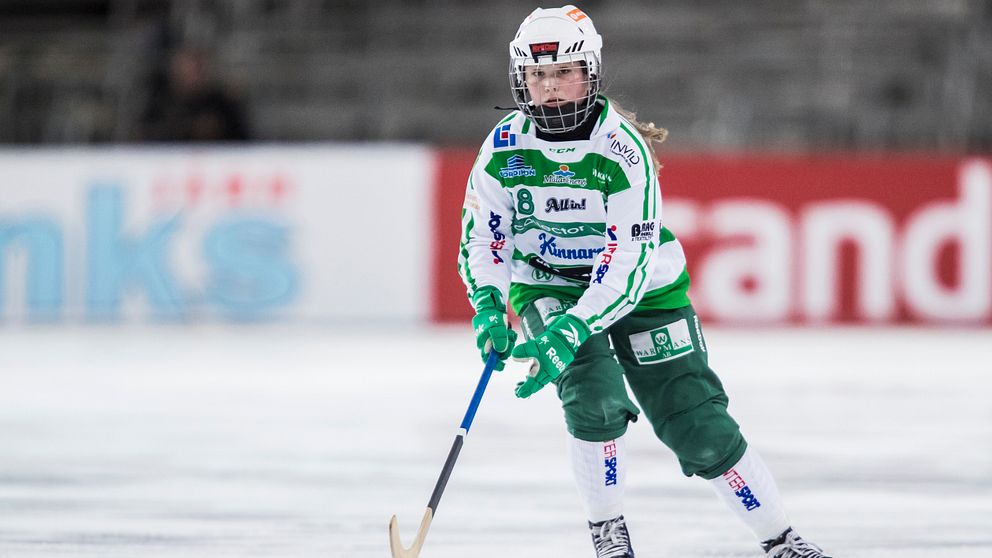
556 36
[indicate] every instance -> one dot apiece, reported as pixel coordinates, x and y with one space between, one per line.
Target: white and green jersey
579 219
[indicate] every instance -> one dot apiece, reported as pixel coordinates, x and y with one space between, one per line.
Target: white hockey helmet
556 36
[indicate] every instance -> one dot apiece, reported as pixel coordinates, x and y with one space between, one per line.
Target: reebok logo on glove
557 362
571 336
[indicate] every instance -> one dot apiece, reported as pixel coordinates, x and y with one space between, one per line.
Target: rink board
184 235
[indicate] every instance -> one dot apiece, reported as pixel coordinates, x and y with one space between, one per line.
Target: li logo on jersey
503 138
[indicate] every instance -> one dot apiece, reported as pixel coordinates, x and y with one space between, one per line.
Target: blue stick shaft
479 390
456 447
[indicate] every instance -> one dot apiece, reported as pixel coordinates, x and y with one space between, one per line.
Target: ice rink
303 441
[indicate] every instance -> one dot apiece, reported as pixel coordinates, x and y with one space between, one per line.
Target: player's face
553 85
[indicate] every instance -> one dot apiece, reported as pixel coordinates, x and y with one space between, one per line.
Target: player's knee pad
599 420
593 395
705 438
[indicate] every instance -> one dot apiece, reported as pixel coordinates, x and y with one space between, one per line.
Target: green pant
663 356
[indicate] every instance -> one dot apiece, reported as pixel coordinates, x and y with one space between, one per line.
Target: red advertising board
792 239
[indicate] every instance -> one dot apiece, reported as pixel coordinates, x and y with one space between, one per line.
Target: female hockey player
562 219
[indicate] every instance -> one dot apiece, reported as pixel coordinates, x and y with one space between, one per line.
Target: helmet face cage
564 117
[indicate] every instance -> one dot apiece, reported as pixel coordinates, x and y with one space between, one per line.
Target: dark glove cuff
564 326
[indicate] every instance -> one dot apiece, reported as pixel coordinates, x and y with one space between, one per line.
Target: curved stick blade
396 546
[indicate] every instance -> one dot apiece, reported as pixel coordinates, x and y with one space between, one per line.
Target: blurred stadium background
212 211
176 159
764 75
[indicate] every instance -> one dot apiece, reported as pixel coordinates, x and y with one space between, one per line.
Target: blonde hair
650 132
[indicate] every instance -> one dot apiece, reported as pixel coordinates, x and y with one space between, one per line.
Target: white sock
600 474
749 490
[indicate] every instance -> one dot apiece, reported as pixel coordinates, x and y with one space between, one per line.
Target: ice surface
303 441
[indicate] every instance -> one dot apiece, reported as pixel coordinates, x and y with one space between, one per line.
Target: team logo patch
662 344
542 276
515 166
503 138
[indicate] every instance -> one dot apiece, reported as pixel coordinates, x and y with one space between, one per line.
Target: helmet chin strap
552 120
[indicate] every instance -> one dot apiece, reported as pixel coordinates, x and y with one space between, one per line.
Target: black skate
791 545
611 539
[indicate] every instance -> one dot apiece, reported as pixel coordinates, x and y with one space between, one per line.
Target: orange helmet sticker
577 15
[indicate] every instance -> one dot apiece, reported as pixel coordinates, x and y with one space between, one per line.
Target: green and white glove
550 352
491 329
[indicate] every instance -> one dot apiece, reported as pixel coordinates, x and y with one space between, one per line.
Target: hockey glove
550 352
491 329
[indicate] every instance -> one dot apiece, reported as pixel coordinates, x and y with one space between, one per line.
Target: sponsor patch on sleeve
662 344
641 232
502 137
625 152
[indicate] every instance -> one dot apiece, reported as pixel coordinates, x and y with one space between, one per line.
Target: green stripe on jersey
522 294
463 266
530 167
638 277
606 109
625 299
648 183
673 295
562 230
